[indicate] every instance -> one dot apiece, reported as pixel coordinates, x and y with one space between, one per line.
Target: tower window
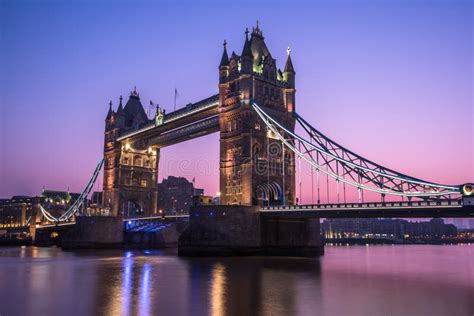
137 161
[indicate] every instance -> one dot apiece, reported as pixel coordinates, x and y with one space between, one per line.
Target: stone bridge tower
130 169
254 170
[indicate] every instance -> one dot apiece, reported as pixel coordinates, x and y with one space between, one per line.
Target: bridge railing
366 205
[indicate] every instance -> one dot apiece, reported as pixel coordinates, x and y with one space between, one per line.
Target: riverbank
383 241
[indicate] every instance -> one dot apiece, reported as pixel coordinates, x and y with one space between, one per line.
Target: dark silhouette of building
396 229
16 211
22 210
175 195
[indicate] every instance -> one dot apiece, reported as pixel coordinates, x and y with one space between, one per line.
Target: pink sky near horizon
392 82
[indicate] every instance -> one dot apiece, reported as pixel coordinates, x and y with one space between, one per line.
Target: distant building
96 197
21 210
17 211
175 194
387 229
57 202
203 200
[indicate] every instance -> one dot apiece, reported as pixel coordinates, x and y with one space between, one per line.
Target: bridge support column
292 236
220 231
95 232
242 230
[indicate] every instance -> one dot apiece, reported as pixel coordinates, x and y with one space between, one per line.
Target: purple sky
390 80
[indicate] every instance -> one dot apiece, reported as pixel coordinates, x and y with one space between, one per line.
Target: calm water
357 280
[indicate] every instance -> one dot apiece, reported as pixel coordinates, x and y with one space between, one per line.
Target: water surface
356 280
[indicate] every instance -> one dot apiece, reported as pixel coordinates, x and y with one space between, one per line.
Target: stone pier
242 230
94 232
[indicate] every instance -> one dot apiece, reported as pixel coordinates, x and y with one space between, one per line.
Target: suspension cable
397 189
75 207
283 171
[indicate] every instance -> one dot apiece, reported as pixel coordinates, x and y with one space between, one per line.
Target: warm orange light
467 189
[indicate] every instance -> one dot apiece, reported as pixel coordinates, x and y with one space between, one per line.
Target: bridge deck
181 121
374 210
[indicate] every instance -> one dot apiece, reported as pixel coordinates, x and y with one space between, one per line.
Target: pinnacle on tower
257 31
247 51
120 107
225 58
109 114
289 64
134 93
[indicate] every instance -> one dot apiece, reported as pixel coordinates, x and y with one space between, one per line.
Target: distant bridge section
443 208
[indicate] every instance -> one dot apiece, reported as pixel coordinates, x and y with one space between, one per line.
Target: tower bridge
255 115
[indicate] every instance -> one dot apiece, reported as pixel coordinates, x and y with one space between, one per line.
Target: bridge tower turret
111 157
224 65
254 168
130 185
289 78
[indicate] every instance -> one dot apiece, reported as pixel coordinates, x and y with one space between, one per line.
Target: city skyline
417 71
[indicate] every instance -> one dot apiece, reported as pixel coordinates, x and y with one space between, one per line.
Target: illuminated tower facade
130 170
254 169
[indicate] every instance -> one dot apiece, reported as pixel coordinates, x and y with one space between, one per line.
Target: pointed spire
257 31
120 107
289 64
247 51
134 93
234 55
225 58
109 114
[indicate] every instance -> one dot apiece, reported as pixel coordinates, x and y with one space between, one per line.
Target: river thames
347 280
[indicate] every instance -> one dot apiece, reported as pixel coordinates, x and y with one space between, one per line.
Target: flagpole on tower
175 96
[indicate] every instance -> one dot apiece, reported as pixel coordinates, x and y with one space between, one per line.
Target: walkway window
137 161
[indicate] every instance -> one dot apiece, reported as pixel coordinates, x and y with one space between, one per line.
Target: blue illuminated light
129 222
211 213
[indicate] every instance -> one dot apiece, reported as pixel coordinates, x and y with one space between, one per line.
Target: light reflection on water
375 280
217 291
145 289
